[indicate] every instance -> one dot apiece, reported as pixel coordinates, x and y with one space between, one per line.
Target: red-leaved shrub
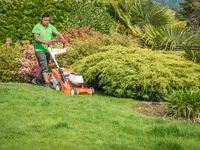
29 66
79 32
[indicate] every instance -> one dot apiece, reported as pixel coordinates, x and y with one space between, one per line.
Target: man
42 33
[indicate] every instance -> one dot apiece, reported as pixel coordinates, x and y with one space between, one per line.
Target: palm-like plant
165 37
151 22
158 26
122 14
151 12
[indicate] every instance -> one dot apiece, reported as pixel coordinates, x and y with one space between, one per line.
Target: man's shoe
47 84
37 81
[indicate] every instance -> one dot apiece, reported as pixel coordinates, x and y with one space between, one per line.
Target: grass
37 118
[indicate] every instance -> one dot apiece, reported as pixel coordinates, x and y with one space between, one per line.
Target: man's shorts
43 60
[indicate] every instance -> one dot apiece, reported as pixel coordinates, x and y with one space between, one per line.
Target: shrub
82 47
79 32
18 62
185 103
138 73
10 53
29 67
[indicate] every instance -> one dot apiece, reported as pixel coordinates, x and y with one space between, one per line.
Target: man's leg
43 59
46 77
39 78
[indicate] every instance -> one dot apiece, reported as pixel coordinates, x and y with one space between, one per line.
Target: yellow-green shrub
9 62
138 73
80 48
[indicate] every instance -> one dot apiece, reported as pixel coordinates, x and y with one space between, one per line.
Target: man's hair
44 15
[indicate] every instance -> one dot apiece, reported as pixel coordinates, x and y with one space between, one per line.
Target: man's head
44 19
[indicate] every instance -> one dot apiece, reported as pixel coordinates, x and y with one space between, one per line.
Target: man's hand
63 41
50 42
36 38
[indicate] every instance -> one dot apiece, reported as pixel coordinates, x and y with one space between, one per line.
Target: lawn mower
65 80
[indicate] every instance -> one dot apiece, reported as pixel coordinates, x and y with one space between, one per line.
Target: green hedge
19 16
83 14
138 73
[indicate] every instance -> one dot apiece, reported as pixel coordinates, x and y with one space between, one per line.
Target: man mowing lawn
42 33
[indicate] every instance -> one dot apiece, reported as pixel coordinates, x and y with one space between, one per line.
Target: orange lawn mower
65 80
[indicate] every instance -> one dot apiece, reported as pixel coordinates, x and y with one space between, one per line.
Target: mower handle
58 41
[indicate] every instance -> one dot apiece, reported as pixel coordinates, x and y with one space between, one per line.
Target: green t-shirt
45 34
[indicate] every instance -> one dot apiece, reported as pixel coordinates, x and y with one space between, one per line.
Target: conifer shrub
81 47
138 73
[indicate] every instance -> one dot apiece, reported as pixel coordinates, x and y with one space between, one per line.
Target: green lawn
39 118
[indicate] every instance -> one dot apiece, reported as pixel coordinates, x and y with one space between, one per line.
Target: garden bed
156 109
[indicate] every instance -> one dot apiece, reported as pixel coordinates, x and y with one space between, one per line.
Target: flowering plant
79 32
28 63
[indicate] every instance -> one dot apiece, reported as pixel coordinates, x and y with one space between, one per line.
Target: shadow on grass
167 145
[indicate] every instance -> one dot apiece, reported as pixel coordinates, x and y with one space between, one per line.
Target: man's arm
59 35
62 39
36 38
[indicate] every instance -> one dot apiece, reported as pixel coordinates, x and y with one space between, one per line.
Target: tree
190 10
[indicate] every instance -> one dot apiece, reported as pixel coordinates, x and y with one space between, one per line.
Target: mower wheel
58 87
92 91
73 91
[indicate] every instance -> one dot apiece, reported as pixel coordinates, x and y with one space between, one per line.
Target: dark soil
151 109
157 109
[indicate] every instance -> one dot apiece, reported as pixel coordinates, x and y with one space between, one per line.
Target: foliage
140 12
165 37
86 13
137 16
29 67
193 55
9 64
82 47
18 62
151 13
185 103
79 32
83 42
138 73
190 11
19 16
159 26
122 15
